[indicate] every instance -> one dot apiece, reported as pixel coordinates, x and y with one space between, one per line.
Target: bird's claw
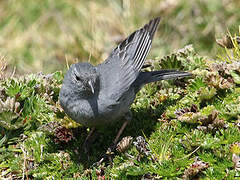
108 155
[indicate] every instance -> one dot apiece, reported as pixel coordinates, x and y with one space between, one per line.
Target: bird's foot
107 156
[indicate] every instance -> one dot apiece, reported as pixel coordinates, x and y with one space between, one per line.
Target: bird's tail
147 77
167 74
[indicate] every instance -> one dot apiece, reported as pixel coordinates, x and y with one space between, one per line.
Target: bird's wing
121 68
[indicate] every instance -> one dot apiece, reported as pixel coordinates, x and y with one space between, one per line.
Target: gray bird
100 95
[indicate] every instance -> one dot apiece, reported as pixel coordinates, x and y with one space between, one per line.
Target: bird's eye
78 78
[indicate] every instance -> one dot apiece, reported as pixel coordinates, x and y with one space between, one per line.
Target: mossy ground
187 121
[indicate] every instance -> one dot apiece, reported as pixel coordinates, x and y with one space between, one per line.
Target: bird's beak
91 86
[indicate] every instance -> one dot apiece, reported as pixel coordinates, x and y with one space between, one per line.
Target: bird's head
81 78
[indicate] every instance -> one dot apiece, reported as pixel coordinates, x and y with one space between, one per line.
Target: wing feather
125 62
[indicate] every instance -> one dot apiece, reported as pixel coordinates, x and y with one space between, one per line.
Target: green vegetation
189 127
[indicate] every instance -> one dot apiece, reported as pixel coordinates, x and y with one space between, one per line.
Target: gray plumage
98 95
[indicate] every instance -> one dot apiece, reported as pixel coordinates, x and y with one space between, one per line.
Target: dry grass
41 35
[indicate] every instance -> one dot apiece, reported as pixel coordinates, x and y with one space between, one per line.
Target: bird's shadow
143 123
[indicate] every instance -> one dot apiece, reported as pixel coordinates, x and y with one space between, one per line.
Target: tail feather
148 77
167 74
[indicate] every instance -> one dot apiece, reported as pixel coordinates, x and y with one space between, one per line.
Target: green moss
181 122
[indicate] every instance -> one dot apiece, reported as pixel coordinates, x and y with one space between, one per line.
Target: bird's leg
128 118
109 152
120 132
86 142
